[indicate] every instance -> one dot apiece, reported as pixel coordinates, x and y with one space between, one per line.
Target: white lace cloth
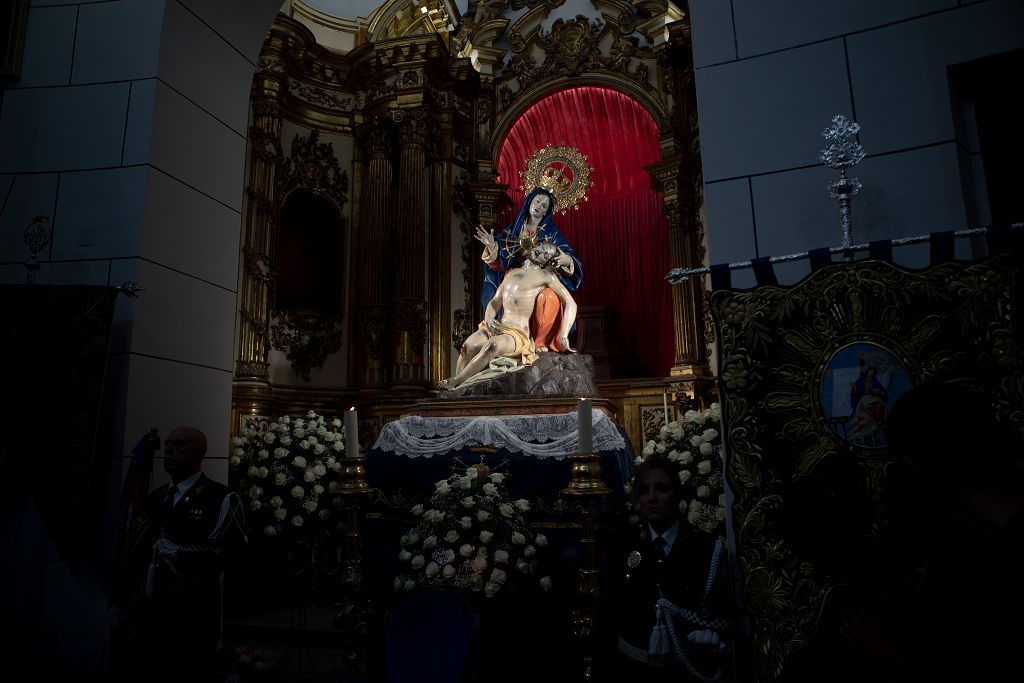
543 436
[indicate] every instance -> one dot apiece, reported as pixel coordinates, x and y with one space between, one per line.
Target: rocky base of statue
552 374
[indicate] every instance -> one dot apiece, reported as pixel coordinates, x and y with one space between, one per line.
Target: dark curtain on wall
620 234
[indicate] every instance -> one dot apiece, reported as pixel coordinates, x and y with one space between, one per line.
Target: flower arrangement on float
694 444
289 472
473 536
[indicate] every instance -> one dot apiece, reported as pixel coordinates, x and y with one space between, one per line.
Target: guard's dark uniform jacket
641 578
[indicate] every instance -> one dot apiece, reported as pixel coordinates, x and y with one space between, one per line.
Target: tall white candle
351 433
664 403
586 419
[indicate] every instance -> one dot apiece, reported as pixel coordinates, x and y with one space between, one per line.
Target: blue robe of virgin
509 256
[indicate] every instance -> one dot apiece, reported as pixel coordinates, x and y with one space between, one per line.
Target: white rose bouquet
472 536
695 445
288 471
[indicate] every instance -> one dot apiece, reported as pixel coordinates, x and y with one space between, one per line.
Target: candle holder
354 491
587 487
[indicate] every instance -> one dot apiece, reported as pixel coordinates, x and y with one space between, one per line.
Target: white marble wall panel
189 232
766 26
166 394
139 128
730 226
47 3
225 96
98 213
182 134
46 129
714 40
766 114
899 73
242 23
95 272
181 318
49 41
121 271
29 194
117 41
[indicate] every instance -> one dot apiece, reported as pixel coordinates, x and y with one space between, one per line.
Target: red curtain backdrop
620 234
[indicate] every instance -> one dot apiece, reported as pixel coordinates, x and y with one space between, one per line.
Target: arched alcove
620 233
309 255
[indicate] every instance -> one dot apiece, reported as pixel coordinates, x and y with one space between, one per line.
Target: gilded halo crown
561 170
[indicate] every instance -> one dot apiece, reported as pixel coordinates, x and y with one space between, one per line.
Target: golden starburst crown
561 170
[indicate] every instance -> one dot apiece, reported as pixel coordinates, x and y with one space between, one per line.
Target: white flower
263 454
417 509
466 550
685 476
465 483
239 452
255 492
442 488
318 489
483 515
408 585
472 472
270 530
309 476
709 435
235 461
418 562
529 551
506 510
523 504
696 441
405 555
262 472
311 414
451 536
545 583
237 441
298 492
269 437
703 491
255 505
276 502
299 433
523 566
486 536
541 540
336 423
319 470
324 514
310 505
706 448
466 522
280 478
491 589
313 441
304 445
434 516
298 521
280 514
468 502
704 466
429 542
660 448
720 514
500 556
490 489
280 452
432 570
685 458
695 506
286 440
497 477
721 499
299 461
648 449
319 448
518 538
448 571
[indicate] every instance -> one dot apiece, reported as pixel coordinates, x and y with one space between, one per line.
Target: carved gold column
440 282
678 177
251 391
488 197
410 327
375 264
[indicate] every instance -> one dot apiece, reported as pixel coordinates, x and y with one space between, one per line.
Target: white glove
704 636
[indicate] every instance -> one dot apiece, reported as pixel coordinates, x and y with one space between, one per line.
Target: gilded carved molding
312 165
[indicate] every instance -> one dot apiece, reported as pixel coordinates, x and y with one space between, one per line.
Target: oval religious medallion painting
862 382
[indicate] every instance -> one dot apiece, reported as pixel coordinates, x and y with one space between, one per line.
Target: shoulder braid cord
667 610
231 515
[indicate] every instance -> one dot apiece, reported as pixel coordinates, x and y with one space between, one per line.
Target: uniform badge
633 559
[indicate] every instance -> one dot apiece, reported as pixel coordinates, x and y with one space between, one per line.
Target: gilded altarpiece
810 485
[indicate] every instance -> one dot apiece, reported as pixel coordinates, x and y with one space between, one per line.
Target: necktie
659 549
172 492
